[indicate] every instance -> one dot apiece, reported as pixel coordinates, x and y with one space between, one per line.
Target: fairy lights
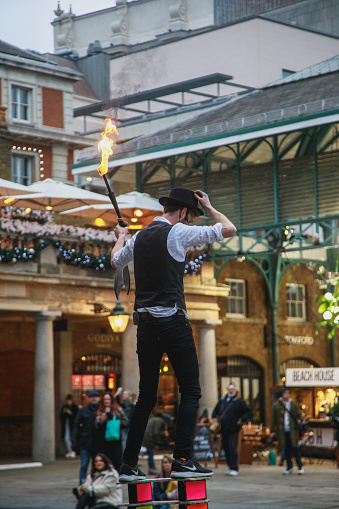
37 151
193 266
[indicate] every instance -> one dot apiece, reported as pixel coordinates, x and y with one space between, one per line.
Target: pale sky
27 23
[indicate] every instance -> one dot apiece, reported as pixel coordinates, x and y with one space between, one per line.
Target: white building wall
130 23
254 52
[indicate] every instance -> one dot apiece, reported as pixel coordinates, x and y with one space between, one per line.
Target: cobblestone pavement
257 486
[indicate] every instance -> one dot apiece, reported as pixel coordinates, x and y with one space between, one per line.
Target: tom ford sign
299 340
312 377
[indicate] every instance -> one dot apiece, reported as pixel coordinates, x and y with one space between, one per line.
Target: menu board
202 444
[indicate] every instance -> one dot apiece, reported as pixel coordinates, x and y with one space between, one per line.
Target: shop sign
299 340
312 377
89 381
103 339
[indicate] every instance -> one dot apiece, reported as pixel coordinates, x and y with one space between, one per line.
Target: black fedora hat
182 197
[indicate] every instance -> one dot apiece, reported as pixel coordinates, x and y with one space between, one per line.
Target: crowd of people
97 432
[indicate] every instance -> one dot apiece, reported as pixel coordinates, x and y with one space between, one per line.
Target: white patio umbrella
53 195
8 187
139 209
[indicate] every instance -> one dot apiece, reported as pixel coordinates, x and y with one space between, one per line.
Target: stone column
208 365
130 367
63 378
43 410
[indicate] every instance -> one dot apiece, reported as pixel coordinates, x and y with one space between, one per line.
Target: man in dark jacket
286 415
232 413
83 432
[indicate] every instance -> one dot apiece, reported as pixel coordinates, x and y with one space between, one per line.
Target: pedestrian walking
232 412
67 415
286 415
83 432
154 435
159 252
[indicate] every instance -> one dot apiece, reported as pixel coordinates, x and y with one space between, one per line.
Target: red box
195 490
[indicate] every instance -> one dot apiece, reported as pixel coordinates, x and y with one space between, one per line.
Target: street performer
159 252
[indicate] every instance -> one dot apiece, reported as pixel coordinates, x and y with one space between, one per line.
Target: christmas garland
27 214
193 266
70 256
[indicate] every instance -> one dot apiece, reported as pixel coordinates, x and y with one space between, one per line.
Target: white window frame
18 118
236 298
296 302
16 172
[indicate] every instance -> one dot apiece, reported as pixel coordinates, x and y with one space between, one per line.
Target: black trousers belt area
146 316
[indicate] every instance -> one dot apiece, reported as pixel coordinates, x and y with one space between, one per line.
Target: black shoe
76 493
130 474
188 469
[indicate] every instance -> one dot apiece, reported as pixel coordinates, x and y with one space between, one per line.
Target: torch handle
112 197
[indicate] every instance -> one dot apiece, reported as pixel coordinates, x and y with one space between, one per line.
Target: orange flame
105 146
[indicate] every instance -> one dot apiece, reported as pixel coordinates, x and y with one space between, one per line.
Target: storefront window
99 371
324 400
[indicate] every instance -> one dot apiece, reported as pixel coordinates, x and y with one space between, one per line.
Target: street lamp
118 318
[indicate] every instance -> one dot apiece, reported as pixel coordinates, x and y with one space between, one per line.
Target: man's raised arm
121 234
228 228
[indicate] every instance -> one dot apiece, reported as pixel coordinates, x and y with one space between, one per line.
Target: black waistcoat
158 276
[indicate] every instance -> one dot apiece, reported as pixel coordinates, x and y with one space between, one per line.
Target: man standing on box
159 252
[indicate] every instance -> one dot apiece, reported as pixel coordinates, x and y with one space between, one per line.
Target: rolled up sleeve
125 255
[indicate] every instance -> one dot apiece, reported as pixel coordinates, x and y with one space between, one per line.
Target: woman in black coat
112 448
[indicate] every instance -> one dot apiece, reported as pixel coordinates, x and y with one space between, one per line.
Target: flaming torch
105 146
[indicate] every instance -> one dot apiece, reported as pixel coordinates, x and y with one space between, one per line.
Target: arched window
296 362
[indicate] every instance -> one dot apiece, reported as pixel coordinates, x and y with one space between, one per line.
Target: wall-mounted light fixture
118 318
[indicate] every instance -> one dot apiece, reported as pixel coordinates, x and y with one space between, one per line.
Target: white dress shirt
287 406
179 239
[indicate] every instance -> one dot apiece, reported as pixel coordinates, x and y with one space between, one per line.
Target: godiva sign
312 377
103 339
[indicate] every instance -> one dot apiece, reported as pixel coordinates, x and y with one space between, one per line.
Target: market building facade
266 158
268 161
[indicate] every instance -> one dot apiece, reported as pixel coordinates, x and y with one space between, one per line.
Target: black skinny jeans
172 335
